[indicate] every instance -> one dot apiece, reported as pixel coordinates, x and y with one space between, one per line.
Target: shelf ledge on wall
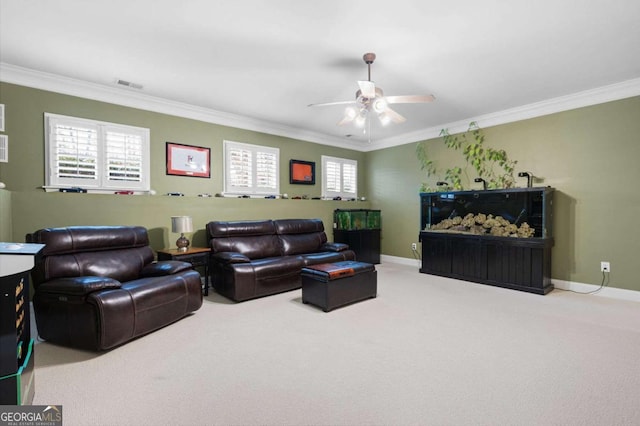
95 191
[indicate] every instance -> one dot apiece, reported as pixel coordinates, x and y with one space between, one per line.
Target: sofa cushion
299 236
302 243
254 239
274 267
75 239
122 265
298 226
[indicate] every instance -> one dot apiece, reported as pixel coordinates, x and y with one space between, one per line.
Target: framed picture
1 117
187 160
302 172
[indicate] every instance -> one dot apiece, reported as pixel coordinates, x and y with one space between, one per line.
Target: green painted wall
590 155
32 208
5 216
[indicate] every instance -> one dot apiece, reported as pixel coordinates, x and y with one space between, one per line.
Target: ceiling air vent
129 84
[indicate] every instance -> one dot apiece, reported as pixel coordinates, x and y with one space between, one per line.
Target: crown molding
612 92
128 97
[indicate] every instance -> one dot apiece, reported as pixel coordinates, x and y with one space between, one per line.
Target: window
251 169
339 177
95 155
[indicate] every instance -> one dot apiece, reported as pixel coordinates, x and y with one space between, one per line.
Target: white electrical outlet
605 267
414 246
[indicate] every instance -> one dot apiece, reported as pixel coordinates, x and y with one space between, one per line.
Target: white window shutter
339 177
96 155
251 169
349 178
74 153
333 176
267 172
123 157
240 169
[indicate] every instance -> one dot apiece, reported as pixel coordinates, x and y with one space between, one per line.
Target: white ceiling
263 62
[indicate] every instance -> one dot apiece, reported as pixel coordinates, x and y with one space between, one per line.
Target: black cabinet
523 265
364 242
16 345
505 261
360 229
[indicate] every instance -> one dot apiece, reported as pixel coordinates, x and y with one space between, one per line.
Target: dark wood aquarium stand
510 262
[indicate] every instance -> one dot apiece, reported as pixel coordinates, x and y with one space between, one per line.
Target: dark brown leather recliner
97 287
252 259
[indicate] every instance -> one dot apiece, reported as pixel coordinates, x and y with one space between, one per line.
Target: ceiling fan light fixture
384 118
370 99
350 112
379 105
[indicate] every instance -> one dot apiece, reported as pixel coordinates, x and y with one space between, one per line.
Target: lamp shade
180 224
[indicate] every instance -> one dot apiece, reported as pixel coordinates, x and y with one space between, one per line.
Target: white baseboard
610 292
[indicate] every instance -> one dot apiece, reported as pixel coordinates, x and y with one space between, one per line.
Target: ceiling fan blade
394 116
332 103
410 99
350 114
345 120
367 88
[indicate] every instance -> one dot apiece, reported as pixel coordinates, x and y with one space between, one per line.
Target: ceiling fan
371 100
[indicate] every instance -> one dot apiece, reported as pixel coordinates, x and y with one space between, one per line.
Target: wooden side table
196 256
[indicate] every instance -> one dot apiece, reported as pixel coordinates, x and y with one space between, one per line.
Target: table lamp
181 224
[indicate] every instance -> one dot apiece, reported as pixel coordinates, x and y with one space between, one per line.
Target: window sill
96 191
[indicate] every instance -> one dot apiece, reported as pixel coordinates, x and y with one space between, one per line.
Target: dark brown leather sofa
97 287
258 258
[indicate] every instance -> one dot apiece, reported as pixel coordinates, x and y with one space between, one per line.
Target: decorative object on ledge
302 172
187 160
181 224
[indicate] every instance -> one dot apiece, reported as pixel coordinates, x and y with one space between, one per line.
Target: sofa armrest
334 247
78 286
227 257
164 267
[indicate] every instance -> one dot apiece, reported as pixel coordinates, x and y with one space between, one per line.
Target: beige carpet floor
426 351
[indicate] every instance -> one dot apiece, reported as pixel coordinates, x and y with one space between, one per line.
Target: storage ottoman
331 285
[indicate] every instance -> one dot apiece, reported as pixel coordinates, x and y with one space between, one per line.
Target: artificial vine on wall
492 165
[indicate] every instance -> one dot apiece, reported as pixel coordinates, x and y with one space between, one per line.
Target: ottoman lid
332 271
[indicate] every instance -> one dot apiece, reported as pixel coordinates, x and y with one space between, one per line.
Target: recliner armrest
227 257
164 267
335 247
78 286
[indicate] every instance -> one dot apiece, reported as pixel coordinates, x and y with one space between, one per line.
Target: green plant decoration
426 164
454 177
484 160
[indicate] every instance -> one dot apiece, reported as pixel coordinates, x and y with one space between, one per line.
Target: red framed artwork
302 172
187 160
